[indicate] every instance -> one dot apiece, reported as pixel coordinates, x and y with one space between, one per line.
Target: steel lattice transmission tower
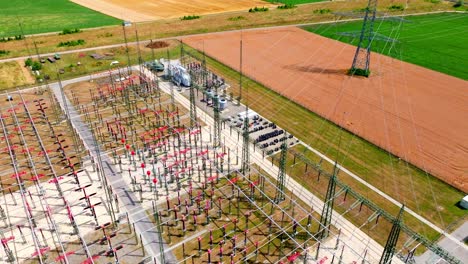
245 131
193 107
392 240
217 121
282 171
245 145
327 211
362 56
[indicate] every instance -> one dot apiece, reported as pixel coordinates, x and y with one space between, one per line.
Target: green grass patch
236 18
40 16
80 64
432 41
293 2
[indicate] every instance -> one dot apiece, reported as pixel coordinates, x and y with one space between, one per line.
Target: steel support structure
217 122
361 59
245 146
447 256
392 240
240 72
126 50
327 211
282 171
193 107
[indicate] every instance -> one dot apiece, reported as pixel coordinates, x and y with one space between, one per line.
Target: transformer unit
180 75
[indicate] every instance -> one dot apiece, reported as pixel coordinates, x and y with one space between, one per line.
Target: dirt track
417 114
138 11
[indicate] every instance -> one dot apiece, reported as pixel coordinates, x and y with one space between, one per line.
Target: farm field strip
294 2
141 11
42 16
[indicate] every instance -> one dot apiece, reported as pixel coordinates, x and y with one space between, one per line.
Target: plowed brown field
138 10
417 114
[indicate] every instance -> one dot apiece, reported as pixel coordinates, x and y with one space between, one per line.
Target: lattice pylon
193 107
361 59
327 211
240 71
245 146
282 171
392 240
217 122
126 50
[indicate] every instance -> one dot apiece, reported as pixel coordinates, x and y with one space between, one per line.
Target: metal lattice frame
361 59
126 49
392 240
193 107
327 211
217 121
245 146
282 170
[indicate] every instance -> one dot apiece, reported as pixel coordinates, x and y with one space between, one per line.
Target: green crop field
294 2
436 41
40 16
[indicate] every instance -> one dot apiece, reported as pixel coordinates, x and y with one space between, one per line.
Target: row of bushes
70 31
287 6
396 8
459 3
71 43
35 65
192 17
322 11
6 39
258 9
4 52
